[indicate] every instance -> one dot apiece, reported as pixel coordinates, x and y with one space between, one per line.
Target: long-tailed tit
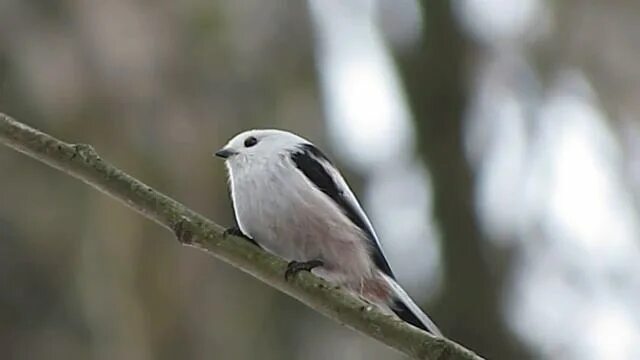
290 200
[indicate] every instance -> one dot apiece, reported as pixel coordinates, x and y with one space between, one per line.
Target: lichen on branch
83 162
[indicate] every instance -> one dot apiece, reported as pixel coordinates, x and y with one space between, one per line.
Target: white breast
277 206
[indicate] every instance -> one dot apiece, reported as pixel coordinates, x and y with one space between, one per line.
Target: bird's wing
319 170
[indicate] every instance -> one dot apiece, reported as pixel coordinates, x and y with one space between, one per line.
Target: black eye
250 141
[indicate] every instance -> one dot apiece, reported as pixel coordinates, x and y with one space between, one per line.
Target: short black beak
224 153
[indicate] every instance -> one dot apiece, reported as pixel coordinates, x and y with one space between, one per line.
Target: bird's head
258 145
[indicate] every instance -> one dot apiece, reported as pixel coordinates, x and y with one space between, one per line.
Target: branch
82 162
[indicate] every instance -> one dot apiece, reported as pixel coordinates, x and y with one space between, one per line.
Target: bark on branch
82 162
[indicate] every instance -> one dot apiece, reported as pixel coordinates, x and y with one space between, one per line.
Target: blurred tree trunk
435 78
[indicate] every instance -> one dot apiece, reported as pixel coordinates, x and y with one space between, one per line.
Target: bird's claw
235 231
294 267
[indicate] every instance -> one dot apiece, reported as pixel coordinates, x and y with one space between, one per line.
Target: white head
258 145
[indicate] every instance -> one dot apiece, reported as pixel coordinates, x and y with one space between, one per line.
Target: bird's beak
225 153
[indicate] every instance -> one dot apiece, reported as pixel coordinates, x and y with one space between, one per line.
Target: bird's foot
294 267
235 231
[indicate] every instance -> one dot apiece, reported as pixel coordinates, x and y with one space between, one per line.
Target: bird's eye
250 141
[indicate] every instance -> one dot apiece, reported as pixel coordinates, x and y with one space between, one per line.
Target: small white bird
290 200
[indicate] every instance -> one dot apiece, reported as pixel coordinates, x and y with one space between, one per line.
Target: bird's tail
407 310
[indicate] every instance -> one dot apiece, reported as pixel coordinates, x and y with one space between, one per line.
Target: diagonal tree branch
82 162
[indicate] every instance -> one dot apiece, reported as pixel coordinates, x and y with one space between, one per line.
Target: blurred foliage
435 76
156 87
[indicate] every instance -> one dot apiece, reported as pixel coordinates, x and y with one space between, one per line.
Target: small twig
83 162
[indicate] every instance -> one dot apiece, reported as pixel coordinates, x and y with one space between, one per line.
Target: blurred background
495 145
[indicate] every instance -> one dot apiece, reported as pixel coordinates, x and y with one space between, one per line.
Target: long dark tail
406 309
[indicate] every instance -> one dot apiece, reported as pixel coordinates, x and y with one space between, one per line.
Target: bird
290 200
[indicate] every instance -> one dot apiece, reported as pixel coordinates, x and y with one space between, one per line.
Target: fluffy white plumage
290 199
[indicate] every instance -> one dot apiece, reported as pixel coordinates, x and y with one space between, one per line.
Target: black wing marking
404 313
308 159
